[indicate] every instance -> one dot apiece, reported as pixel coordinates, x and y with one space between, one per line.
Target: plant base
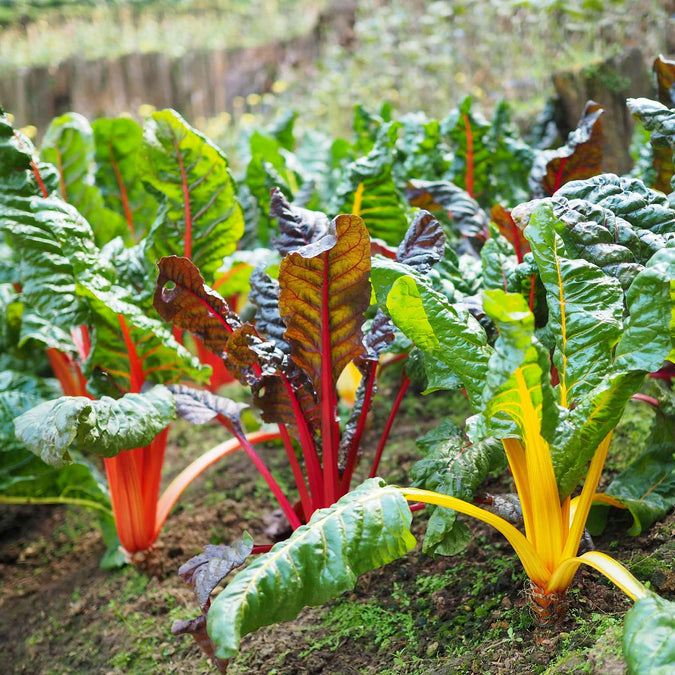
549 609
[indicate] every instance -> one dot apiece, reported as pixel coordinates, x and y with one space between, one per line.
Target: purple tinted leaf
298 227
197 628
199 406
265 296
206 570
379 337
424 243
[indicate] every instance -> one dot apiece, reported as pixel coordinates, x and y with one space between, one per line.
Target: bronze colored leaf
665 80
324 291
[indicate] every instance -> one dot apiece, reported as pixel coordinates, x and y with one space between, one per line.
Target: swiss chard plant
89 306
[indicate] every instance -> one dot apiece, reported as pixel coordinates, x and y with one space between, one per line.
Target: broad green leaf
420 152
452 466
69 146
647 487
118 143
449 334
498 262
579 158
367 528
200 217
324 292
649 338
585 308
102 427
649 637
629 198
368 190
57 250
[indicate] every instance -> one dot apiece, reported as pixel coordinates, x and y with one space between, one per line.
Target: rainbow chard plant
554 437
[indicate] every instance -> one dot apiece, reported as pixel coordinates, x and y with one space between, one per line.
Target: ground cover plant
549 316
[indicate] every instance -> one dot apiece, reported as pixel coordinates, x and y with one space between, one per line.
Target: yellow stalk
525 551
545 502
515 455
611 568
583 505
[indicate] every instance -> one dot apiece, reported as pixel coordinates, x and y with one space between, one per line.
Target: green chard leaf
199 217
454 343
647 487
649 637
368 190
69 145
585 308
118 144
102 427
367 528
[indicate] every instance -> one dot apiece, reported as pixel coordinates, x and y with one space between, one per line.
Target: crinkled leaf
579 158
324 291
629 198
498 262
649 637
102 427
452 466
200 217
368 190
367 528
297 226
424 243
205 571
264 296
118 143
57 249
420 152
597 235
585 308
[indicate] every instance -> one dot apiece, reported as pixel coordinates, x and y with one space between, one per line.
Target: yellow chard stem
611 568
548 527
529 557
515 456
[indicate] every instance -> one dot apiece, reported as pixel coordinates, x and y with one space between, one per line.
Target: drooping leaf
647 487
448 334
649 637
182 298
454 466
102 427
200 217
298 227
579 158
585 308
368 190
367 528
118 143
69 145
324 291
205 571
